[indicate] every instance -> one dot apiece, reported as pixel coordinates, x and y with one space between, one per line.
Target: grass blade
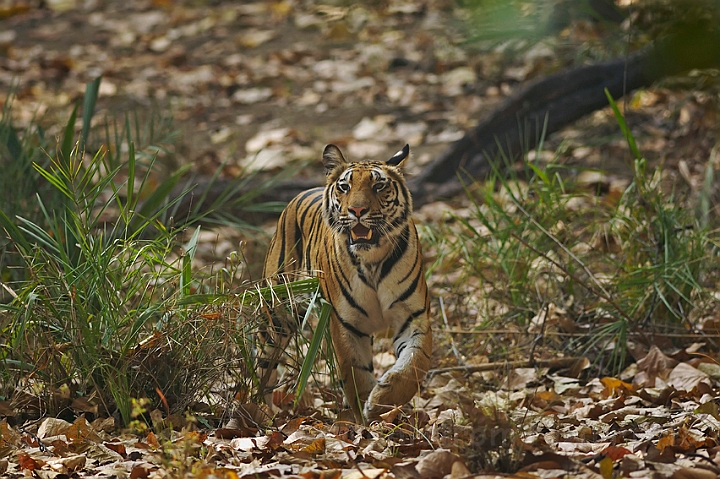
68 136
92 90
317 337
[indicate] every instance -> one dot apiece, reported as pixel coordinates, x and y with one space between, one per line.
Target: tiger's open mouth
361 234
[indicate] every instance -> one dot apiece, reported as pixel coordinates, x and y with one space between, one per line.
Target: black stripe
350 299
350 327
308 210
338 266
311 239
400 219
281 232
305 194
396 254
408 292
298 242
417 260
417 348
407 322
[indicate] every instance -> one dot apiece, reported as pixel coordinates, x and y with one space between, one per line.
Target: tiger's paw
376 405
388 394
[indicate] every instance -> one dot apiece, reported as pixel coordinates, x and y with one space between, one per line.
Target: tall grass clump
580 269
103 304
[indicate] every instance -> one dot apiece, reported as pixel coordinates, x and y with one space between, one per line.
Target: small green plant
611 266
104 299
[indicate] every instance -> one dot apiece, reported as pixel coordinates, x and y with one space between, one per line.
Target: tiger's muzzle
361 234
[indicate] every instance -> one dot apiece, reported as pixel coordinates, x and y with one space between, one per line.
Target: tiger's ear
332 158
399 158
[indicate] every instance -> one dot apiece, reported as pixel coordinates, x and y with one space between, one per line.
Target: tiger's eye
379 187
343 187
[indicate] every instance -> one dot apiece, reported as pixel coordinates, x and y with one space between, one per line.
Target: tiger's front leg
402 381
355 359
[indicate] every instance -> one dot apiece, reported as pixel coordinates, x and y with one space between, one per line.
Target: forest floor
264 86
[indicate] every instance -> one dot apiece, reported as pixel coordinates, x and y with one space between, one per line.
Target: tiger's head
366 202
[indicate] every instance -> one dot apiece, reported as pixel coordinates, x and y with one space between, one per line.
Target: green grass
622 266
102 299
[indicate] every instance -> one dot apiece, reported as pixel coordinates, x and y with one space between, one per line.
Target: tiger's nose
358 211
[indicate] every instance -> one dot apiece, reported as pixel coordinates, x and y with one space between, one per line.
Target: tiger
357 235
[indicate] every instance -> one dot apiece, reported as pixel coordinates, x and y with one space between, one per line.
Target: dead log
556 101
549 103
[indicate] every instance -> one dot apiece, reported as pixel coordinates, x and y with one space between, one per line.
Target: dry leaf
315 447
437 464
606 467
685 377
25 462
152 441
8 435
53 427
119 448
140 471
693 473
81 430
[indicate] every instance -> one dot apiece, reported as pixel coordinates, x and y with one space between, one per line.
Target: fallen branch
502 365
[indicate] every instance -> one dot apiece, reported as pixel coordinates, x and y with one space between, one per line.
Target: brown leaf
8 435
391 415
140 471
685 377
293 425
283 399
693 473
315 447
327 474
66 465
53 427
25 462
664 455
106 424
436 464
151 439
547 460
709 408
6 409
117 447
275 441
655 364
59 447
666 441
616 386
84 405
459 469
615 452
81 430
405 470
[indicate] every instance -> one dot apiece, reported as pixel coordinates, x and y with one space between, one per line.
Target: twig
579 335
447 327
540 363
